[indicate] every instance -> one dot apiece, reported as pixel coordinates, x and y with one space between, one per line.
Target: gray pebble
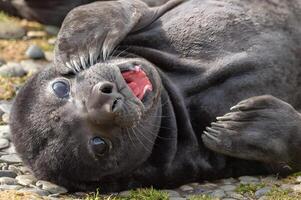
35 190
10 187
218 194
36 34
2 62
52 30
287 186
234 195
186 188
5 132
52 41
11 159
50 187
124 193
34 65
263 198
34 52
5 106
177 198
12 69
7 173
298 179
7 181
26 179
172 193
11 150
297 188
5 118
248 179
228 181
4 143
49 55
228 187
15 169
263 191
11 30
25 170
229 199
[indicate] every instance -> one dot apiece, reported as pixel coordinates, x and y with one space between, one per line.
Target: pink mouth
137 81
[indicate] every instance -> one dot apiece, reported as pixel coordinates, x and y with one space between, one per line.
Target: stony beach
25 48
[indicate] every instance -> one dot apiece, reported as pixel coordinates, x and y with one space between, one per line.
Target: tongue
138 82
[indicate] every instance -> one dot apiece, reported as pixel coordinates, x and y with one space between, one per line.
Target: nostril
106 88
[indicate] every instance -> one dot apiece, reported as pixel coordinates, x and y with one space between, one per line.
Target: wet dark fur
208 57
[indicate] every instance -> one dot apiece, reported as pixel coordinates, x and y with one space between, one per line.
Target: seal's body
183 92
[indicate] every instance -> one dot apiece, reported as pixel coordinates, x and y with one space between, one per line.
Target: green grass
201 197
249 188
279 194
3 16
139 194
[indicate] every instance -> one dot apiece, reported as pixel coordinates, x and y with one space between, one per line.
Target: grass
138 194
202 197
279 194
249 188
8 86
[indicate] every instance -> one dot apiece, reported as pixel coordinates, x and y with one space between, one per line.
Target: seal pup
208 90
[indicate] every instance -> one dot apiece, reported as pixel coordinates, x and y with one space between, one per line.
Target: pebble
228 181
7 181
15 169
11 159
124 194
172 193
35 190
52 30
177 198
12 69
25 170
49 55
51 41
50 187
34 66
248 179
10 187
5 132
11 30
287 186
235 195
263 198
2 62
228 187
36 34
4 143
297 188
11 150
7 173
229 199
34 52
5 106
263 191
298 179
218 193
186 188
26 179
5 118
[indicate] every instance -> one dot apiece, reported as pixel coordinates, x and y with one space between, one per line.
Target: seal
198 91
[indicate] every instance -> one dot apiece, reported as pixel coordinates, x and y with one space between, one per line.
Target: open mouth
137 81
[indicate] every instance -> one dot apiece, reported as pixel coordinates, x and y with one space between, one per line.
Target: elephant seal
205 90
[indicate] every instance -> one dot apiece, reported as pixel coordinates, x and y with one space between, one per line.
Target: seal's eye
61 89
99 146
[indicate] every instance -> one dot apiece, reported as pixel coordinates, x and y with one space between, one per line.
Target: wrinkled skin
226 77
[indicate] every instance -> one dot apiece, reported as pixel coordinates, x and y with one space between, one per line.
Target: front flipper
90 32
261 128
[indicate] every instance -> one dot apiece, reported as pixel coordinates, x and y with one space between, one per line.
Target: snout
104 103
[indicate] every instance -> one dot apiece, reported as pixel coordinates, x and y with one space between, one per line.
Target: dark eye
99 146
61 89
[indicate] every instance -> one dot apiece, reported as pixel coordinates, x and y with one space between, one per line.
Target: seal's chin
137 81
